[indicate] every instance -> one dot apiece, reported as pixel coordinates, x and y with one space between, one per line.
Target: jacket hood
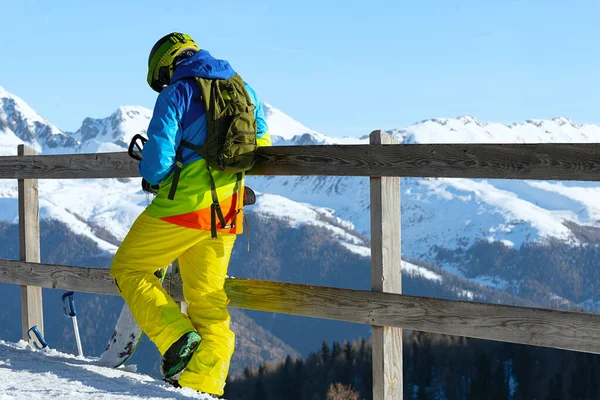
203 65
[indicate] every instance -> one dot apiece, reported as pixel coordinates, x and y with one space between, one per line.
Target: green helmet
164 56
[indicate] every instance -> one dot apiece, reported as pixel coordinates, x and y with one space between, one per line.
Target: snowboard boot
176 358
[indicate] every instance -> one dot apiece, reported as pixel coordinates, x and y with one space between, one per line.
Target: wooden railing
383 307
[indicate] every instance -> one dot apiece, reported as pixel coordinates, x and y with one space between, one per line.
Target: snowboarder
181 224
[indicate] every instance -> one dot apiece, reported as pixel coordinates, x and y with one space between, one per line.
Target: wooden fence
383 307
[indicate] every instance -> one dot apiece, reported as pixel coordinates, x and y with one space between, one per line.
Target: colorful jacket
179 115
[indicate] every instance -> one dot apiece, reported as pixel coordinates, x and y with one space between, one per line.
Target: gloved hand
147 187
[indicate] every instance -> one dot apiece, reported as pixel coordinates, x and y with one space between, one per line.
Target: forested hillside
436 367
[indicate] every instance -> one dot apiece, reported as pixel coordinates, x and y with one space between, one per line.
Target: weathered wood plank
493 161
69 166
29 248
63 277
501 161
533 326
386 276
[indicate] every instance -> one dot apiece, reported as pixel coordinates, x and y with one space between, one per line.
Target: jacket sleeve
164 136
263 136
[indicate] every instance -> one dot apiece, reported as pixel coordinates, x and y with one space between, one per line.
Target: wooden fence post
386 277
29 245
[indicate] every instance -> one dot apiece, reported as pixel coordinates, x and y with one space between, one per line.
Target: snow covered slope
27 373
8 142
295 214
284 128
282 125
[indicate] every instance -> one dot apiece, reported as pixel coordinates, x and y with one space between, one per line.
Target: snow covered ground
27 373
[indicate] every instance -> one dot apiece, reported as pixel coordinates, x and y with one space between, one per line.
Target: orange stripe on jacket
200 219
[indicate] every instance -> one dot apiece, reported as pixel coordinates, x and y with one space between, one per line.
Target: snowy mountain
282 125
509 211
113 133
18 121
451 214
107 218
467 129
284 128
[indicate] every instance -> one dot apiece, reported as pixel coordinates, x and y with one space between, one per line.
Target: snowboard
126 337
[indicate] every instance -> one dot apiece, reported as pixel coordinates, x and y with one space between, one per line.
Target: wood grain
532 326
63 277
493 161
69 166
29 248
502 161
386 276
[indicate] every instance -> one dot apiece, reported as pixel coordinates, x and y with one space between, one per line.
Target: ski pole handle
39 337
136 146
68 300
69 310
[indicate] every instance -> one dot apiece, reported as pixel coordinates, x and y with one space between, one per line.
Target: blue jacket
178 116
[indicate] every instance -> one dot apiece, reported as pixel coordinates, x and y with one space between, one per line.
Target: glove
147 187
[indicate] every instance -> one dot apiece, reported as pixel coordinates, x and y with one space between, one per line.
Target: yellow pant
152 244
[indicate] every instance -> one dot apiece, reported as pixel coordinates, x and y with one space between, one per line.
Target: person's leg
203 269
152 244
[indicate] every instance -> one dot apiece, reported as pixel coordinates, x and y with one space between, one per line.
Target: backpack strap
192 146
215 208
177 173
179 165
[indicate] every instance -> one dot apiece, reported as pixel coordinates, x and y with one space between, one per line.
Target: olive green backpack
230 145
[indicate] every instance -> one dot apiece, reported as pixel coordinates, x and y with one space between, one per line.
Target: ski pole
38 335
69 310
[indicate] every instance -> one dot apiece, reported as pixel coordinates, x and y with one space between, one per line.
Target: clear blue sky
339 67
